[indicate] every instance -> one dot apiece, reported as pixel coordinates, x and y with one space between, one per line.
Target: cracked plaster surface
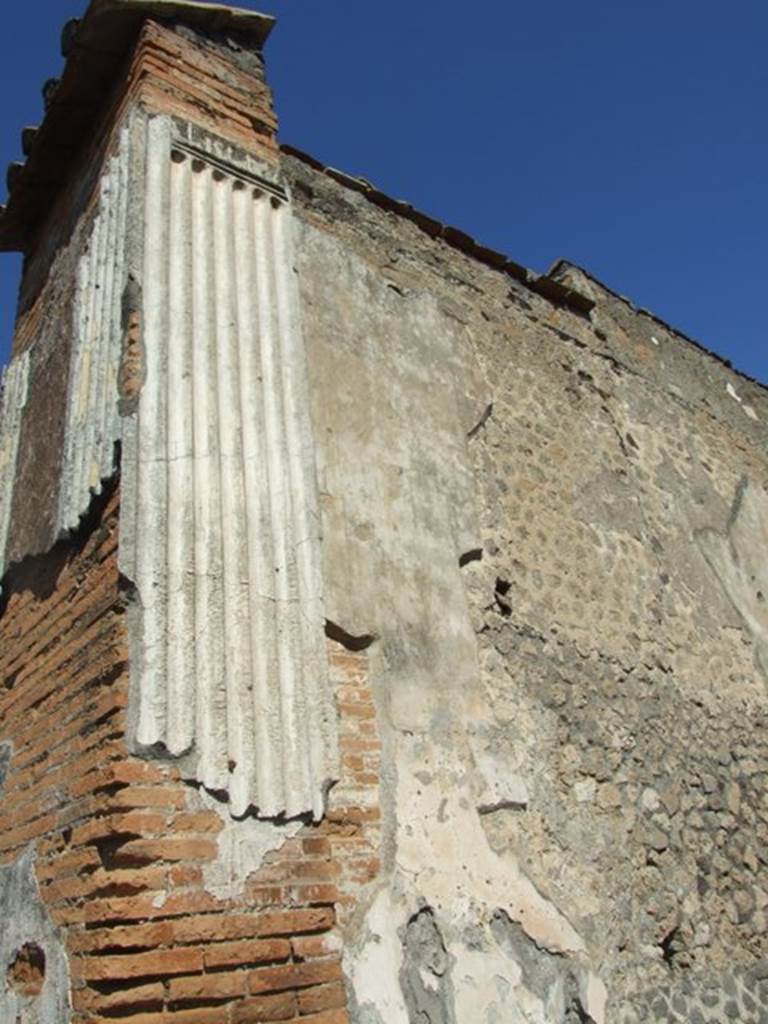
519 496
26 921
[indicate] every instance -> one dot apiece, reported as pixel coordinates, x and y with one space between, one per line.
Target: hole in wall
669 947
6 753
577 1014
26 973
501 590
109 849
10 681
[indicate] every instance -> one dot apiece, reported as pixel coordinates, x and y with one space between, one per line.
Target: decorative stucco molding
93 423
13 398
220 531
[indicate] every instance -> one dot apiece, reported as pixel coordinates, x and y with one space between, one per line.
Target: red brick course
121 842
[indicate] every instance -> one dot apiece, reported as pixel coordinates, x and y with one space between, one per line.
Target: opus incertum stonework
383 629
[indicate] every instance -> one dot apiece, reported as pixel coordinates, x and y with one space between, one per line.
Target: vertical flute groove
77 404
93 423
110 420
180 583
243 780
152 520
210 705
255 469
305 506
293 413
90 358
101 335
272 759
235 622
278 496
13 398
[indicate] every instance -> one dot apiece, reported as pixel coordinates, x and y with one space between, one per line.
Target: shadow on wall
10 274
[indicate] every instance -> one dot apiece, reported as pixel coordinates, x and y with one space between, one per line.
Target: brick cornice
105 54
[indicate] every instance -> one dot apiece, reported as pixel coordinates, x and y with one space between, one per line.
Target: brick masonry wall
176 72
181 73
122 844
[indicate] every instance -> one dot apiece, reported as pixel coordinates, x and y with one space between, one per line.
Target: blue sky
628 138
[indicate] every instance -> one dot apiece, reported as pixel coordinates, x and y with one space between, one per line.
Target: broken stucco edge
242 845
15 388
541 921
90 461
561 268
542 284
26 919
550 930
93 422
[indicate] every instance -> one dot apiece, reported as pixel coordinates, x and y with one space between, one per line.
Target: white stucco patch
243 845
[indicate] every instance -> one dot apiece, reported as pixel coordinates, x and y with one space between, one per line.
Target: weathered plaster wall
553 526
33 961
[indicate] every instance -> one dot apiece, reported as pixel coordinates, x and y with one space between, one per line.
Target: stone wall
554 524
